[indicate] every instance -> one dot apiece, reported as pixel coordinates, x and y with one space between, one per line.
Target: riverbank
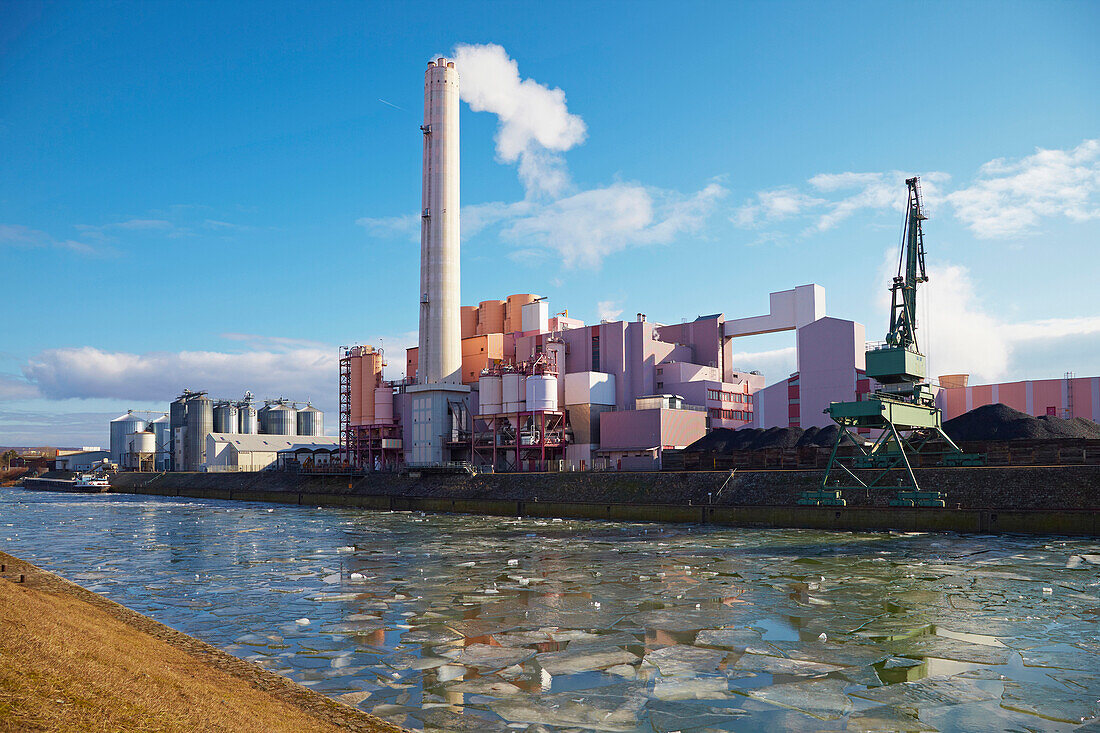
1031 500
73 660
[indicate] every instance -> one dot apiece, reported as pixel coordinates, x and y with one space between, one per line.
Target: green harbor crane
902 409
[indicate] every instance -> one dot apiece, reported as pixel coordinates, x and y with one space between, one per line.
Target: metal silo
311 421
121 428
200 423
225 417
279 418
248 420
177 419
162 433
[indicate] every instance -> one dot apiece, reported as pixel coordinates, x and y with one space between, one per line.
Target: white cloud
1009 198
775 364
608 311
16 388
17 235
404 227
587 226
775 205
534 123
87 372
836 197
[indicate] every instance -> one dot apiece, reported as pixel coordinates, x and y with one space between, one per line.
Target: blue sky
217 195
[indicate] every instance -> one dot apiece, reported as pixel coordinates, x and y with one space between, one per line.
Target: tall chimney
440 353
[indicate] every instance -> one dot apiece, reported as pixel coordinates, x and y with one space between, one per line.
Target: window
595 352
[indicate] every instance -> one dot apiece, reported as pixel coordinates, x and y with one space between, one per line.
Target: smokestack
440 353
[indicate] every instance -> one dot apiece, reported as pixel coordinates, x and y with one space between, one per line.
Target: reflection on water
491 624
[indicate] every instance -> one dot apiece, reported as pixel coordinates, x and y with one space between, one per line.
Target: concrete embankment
73 660
1034 500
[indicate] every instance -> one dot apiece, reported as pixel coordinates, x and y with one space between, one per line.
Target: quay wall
1033 500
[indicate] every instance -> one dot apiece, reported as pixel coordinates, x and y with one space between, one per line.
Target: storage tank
162 434
541 392
490 400
279 419
555 352
512 392
200 423
355 364
490 316
372 380
139 445
311 421
513 313
383 406
468 320
122 427
248 419
226 419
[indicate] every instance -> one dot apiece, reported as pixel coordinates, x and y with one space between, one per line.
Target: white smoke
535 125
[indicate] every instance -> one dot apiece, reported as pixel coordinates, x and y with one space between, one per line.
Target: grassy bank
72 660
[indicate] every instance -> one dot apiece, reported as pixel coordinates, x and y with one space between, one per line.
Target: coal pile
1001 422
724 441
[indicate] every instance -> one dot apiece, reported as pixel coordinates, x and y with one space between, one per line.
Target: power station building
510 385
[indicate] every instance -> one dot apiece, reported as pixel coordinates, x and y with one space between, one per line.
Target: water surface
441 622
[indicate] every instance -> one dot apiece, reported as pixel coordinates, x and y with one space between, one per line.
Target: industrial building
180 439
1068 397
509 385
515 385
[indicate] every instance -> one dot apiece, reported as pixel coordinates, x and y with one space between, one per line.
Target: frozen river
468 623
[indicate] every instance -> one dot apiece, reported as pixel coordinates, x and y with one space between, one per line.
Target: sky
220 195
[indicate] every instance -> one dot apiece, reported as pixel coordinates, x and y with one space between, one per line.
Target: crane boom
911 272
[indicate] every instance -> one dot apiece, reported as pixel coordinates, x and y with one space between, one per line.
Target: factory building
1068 397
178 439
510 385
235 452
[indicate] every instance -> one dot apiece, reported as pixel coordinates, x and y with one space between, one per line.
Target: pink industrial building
1067 397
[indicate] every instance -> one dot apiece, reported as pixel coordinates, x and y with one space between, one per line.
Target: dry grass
69 662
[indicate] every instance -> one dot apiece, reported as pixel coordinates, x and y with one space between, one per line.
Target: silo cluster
370 401
193 416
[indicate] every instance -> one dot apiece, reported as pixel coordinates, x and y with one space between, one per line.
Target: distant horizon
218 197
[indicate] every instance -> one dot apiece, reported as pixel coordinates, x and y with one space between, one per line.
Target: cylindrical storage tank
372 379
140 445
200 423
555 352
162 434
311 421
511 387
225 418
490 316
513 313
490 398
383 406
248 419
122 427
541 391
468 320
279 419
355 363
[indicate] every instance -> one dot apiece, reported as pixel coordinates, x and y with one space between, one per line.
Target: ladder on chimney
1069 395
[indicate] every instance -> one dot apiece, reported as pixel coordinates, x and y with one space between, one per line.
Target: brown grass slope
71 660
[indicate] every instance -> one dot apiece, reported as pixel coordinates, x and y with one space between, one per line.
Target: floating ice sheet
781 665
823 699
681 659
574 662
484 656
930 692
942 647
1052 703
